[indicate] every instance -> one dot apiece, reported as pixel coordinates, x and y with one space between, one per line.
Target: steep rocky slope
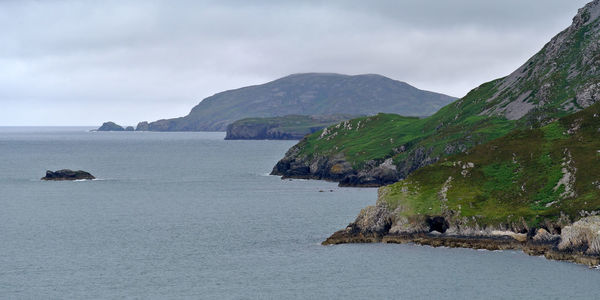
307 94
559 80
535 189
292 127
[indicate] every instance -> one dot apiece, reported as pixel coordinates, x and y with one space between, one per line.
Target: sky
86 62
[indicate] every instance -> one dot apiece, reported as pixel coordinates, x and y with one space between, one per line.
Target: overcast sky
85 62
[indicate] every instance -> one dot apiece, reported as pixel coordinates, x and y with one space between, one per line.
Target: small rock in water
67 174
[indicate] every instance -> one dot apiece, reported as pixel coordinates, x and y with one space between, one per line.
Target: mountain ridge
306 94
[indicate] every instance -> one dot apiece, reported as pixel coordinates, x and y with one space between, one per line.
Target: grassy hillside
531 175
387 135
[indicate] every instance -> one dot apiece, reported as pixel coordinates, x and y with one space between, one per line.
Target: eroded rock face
336 168
582 236
67 175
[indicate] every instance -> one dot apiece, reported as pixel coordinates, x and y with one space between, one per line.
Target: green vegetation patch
513 178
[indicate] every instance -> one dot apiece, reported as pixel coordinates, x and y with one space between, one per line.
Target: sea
193 216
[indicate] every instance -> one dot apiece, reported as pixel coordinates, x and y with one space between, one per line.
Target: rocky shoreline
557 239
337 169
549 250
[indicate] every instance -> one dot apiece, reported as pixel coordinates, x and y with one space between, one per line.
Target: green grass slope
528 175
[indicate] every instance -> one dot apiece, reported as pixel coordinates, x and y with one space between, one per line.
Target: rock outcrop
110 126
67 174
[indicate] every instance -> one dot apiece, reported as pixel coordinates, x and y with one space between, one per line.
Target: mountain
561 79
291 127
534 189
307 94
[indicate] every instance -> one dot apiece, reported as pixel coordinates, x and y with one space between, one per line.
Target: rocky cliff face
307 94
563 78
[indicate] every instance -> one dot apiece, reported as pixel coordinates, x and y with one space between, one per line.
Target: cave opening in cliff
438 224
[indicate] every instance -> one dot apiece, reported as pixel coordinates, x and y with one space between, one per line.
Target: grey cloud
90 61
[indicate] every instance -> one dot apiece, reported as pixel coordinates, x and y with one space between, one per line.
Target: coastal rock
142 126
582 236
110 126
129 128
67 174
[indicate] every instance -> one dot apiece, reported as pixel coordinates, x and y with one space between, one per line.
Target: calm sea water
189 215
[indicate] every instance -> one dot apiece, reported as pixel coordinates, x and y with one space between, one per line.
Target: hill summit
307 94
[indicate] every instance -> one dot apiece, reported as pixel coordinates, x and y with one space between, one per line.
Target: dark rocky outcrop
67 174
110 126
129 128
337 168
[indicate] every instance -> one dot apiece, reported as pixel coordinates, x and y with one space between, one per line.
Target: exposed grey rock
583 235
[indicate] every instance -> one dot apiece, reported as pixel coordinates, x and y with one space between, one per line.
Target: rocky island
110 126
67 174
518 166
291 127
